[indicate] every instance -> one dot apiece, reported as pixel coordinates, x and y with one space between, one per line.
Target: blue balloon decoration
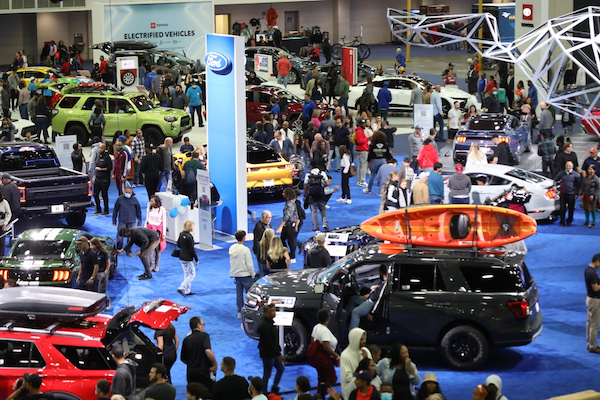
173 213
185 201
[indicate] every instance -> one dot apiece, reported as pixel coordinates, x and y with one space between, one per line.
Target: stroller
298 164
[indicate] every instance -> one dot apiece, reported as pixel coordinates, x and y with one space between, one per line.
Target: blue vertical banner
226 127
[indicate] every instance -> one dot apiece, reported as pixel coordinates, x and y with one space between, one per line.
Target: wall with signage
179 27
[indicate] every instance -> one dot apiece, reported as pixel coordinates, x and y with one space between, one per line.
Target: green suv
123 111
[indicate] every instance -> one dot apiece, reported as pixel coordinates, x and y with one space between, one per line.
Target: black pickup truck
46 188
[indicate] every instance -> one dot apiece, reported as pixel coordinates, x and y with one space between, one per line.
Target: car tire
64 396
82 135
445 106
529 142
154 136
76 220
128 78
296 339
293 76
464 348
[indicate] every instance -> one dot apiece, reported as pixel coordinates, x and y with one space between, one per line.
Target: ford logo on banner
218 63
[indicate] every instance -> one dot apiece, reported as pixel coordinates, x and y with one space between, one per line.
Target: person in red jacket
119 170
315 54
491 85
362 151
103 68
427 156
283 69
65 68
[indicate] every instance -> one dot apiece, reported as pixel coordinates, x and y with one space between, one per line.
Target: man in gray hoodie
415 142
460 186
242 268
496 381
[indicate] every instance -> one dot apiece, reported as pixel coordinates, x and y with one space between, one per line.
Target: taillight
248 171
503 139
550 195
520 308
4 274
90 192
61 276
461 139
22 194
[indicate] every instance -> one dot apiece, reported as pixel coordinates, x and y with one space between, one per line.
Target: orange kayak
453 225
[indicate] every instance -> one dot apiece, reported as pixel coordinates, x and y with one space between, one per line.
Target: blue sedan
481 128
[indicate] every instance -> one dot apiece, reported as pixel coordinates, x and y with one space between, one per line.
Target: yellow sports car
266 171
38 72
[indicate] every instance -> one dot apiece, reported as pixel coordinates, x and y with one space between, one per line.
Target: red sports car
60 334
257 100
590 123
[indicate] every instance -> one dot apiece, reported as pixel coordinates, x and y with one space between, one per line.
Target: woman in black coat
187 255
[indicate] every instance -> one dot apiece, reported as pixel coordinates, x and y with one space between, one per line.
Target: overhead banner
179 27
423 115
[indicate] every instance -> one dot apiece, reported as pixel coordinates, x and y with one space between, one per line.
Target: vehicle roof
488 116
107 94
51 234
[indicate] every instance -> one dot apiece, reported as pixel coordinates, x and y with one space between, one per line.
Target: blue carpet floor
557 363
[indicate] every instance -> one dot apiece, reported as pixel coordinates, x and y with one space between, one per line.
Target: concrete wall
19 26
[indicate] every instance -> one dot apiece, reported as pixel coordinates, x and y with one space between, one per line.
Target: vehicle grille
185 121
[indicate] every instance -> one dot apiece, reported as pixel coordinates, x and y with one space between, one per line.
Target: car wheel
518 156
82 135
445 106
154 136
64 396
128 78
76 219
529 142
464 348
293 76
296 339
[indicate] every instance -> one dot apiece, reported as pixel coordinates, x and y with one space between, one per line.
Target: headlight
171 119
251 302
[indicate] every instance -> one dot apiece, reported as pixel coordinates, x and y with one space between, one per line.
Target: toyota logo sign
218 63
528 12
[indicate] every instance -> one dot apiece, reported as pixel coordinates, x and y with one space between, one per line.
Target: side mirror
130 110
319 288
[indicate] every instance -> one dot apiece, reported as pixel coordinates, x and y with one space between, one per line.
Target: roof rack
49 330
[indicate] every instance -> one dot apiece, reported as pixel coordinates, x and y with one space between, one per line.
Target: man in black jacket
269 350
318 256
277 36
150 167
104 168
147 240
259 230
122 381
197 354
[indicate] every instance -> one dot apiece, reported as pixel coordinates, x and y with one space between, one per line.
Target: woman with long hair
429 386
389 199
349 123
472 111
399 369
96 121
475 156
156 219
168 342
315 118
278 258
290 224
103 264
345 166
165 97
328 357
590 190
265 245
187 256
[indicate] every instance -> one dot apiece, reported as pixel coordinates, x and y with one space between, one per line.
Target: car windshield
179 59
27 158
41 248
261 155
327 274
487 124
55 73
143 103
526 176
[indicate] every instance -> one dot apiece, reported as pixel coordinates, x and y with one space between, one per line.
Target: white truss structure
569 40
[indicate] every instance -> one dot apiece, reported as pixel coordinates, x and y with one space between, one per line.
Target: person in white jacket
350 358
475 156
241 268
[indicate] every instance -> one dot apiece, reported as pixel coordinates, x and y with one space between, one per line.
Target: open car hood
110 47
156 314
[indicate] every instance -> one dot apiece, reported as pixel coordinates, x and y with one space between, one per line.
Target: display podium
175 225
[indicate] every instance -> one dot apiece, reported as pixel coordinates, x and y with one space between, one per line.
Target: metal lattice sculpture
569 40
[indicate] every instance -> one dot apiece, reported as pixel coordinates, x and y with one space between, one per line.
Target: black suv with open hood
462 302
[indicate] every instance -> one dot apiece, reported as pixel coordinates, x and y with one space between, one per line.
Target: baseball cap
418 127
423 175
360 120
386 83
459 167
186 139
321 238
6 176
450 65
122 139
364 375
592 149
82 239
95 139
33 379
275 27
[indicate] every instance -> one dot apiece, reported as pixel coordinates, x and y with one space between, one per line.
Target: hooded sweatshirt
240 260
318 257
496 381
459 185
349 360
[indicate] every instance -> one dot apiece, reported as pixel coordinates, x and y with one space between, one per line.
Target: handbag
316 354
352 170
175 252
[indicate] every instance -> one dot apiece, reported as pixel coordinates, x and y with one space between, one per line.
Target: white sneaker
327 207
293 261
239 315
340 200
349 201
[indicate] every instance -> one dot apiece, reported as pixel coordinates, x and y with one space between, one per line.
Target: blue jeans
459 200
440 120
320 206
241 284
268 364
384 114
282 79
435 200
336 151
23 111
165 177
358 307
375 165
263 270
343 102
119 237
189 273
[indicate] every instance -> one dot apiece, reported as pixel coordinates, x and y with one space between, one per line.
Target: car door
120 115
253 113
403 91
18 356
419 304
480 189
86 109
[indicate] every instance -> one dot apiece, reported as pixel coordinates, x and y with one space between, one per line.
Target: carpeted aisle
557 363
